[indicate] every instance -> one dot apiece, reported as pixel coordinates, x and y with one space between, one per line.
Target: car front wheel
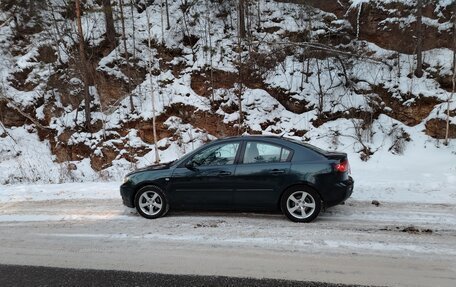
301 204
150 202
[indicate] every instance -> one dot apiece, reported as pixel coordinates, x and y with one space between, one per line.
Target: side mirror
190 165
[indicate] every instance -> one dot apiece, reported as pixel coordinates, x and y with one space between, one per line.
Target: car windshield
170 162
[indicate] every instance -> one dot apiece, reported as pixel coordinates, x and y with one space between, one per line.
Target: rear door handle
224 173
277 171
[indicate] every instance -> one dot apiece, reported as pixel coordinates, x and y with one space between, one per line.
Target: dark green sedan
246 173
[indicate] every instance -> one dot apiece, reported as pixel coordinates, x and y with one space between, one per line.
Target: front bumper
340 192
127 192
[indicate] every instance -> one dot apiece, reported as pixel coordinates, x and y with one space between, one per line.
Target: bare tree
453 81
419 39
327 81
207 29
24 114
247 18
240 90
24 13
259 14
241 19
109 23
362 136
124 36
320 91
185 9
57 32
241 36
305 20
133 38
126 55
83 65
150 66
162 26
167 15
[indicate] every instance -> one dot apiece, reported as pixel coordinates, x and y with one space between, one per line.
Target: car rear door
262 173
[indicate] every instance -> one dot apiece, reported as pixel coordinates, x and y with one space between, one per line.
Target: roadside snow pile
24 158
427 176
66 191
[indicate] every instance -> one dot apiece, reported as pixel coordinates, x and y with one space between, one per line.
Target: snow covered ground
413 194
412 229
408 240
66 191
424 178
420 176
394 244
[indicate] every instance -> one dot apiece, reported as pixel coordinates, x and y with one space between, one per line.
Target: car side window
217 155
256 152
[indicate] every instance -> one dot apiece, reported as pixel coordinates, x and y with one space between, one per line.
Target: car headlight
126 178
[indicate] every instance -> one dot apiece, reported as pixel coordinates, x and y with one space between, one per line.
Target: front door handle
277 171
224 173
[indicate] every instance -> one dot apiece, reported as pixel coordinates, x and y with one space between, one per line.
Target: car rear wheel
301 204
150 202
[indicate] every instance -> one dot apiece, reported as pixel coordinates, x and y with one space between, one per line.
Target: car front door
206 179
261 174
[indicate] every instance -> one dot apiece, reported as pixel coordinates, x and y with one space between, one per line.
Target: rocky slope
339 74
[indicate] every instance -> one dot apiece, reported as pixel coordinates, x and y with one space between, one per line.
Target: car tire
151 202
301 204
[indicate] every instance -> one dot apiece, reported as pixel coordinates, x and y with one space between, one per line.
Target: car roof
251 137
269 138
277 139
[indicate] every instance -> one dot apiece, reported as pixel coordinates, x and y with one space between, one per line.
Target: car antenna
281 136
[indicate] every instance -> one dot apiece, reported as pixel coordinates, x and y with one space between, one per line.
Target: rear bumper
127 193
340 192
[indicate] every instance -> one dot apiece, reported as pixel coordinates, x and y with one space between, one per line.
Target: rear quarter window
305 153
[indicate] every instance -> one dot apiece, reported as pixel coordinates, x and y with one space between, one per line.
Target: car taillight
342 167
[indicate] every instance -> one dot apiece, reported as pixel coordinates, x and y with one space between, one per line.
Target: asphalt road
358 243
15 275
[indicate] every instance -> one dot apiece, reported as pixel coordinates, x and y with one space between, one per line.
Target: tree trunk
83 65
162 23
209 43
167 15
241 19
247 19
259 15
450 97
109 23
132 7
419 39
154 129
320 91
453 82
126 55
240 88
124 36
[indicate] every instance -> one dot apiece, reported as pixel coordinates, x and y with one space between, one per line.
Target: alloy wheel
150 203
301 204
